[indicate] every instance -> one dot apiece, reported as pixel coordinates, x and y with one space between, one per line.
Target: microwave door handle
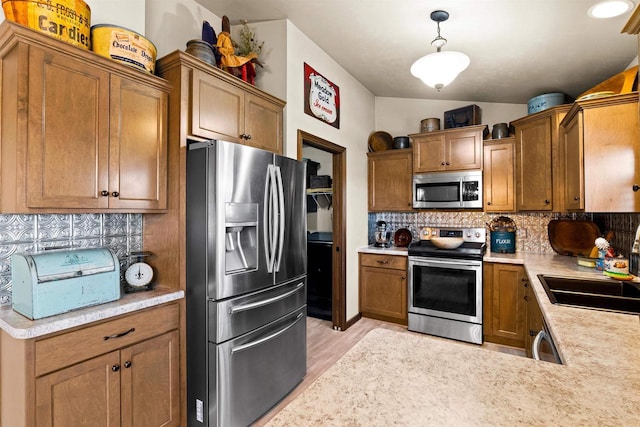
461 198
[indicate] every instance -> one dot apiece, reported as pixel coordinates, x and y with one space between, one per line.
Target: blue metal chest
55 282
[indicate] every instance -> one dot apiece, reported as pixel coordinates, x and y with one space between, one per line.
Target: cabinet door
612 157
383 294
572 163
533 166
85 394
150 388
68 132
508 319
463 150
263 124
217 108
499 191
390 181
429 154
138 146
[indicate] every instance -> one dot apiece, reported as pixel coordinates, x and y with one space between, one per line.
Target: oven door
446 288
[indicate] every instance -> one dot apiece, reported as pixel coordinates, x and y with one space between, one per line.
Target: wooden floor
326 345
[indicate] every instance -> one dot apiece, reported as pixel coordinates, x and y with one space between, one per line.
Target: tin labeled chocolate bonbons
124 46
66 20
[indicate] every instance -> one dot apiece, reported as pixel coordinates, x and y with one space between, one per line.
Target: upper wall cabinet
537 163
499 191
448 150
224 107
601 155
79 132
390 180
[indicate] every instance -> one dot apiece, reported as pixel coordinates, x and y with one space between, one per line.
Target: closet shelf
315 193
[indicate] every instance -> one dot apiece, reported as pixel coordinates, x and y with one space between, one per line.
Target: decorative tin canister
66 20
503 242
124 46
544 101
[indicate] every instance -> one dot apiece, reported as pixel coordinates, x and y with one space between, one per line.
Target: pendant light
439 69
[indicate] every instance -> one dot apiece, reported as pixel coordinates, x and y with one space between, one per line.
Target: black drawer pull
115 368
121 334
127 364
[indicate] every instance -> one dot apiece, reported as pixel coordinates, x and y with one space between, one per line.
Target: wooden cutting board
572 237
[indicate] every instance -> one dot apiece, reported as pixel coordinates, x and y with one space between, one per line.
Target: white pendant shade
439 69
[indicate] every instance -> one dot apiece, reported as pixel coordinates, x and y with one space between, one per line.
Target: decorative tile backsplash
122 233
531 235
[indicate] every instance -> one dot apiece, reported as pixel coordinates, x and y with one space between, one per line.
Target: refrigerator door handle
262 303
267 338
269 244
281 218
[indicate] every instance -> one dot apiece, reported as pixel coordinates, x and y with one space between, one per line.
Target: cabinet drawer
82 344
395 262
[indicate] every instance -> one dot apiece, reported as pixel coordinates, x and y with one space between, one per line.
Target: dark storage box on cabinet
460 117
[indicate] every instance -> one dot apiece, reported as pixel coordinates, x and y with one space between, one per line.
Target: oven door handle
422 261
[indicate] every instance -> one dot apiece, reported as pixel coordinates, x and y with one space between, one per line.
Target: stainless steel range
445 285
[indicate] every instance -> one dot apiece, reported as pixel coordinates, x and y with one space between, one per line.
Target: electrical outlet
523 233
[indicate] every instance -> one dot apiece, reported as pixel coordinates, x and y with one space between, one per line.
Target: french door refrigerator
246 281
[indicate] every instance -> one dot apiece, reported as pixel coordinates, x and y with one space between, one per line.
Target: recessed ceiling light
610 8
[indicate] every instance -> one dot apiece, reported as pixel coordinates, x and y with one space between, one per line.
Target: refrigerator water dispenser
241 246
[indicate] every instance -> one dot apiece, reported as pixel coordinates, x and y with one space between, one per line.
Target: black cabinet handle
115 368
121 334
448 163
488 203
576 198
442 164
532 333
248 136
546 201
526 298
127 364
104 193
636 187
115 194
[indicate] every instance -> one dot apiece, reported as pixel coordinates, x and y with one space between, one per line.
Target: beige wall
356 122
400 116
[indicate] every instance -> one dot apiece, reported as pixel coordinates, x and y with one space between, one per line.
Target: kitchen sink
608 295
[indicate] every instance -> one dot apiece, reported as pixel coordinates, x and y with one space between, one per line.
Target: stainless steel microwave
449 190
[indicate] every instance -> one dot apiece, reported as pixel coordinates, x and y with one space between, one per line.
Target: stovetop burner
473 247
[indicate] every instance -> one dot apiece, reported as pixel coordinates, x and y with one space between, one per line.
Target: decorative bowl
447 242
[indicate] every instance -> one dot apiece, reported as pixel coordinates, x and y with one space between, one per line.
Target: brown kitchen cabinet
537 141
505 305
601 155
383 287
224 107
448 150
498 175
124 371
389 180
79 131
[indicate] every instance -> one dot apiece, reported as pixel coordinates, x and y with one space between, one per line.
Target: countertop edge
392 250
20 327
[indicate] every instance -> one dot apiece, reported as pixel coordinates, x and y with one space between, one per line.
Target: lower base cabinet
123 372
505 304
383 287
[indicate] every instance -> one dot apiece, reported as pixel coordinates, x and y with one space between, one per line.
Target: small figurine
239 66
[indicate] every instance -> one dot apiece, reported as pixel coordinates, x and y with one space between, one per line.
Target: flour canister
503 242
66 20
124 46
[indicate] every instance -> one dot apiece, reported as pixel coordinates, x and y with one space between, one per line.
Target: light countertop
20 327
392 250
418 379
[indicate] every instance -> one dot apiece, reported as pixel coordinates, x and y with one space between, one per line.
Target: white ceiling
518 48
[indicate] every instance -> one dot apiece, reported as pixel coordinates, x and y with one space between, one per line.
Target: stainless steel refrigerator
246 281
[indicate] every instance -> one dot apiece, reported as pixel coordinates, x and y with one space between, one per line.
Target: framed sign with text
321 97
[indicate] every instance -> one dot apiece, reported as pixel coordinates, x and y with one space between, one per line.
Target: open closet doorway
326 225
